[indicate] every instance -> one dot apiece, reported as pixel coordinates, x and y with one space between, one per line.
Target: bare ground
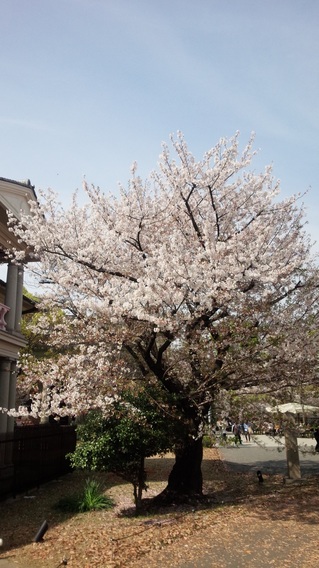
241 523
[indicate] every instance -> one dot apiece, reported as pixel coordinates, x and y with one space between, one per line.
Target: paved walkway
268 454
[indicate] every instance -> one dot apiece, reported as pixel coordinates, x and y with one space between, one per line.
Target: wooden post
292 453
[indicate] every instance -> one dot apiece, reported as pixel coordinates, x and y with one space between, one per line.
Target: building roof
15 196
25 182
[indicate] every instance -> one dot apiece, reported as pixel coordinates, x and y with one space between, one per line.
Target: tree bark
185 480
139 486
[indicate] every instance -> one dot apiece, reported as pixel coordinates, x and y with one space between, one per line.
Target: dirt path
281 544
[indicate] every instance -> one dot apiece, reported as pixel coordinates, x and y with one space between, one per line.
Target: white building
15 197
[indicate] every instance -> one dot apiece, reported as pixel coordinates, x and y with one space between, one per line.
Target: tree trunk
139 486
185 480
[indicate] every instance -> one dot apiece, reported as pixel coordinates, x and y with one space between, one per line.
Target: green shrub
232 440
137 428
207 441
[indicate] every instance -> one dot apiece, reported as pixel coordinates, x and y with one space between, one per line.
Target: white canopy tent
294 408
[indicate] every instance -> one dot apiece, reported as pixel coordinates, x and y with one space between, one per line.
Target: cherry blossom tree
199 278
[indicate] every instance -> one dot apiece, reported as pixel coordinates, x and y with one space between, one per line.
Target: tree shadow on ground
269 501
239 485
23 515
158 469
276 498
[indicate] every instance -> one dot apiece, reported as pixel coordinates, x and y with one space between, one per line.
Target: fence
34 454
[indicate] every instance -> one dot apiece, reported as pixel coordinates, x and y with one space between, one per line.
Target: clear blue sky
88 86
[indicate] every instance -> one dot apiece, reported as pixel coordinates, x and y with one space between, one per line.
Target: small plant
208 441
233 440
92 499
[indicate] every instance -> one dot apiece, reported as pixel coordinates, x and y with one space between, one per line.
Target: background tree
200 275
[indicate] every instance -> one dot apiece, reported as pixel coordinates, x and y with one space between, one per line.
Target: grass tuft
91 499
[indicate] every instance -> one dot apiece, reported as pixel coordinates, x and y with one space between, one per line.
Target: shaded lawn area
241 521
